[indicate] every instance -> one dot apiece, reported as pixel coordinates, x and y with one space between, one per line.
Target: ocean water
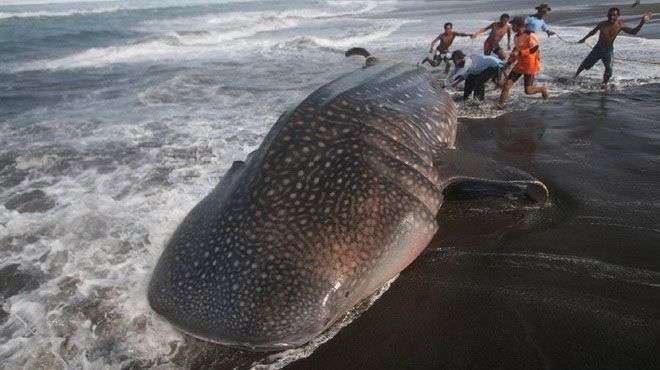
117 117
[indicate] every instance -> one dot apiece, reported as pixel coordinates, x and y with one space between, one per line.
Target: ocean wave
95 10
100 57
341 43
214 37
188 45
44 13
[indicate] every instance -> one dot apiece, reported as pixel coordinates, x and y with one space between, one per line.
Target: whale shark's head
240 287
271 274
274 275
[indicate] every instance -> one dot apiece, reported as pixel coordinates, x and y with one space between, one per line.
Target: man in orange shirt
527 59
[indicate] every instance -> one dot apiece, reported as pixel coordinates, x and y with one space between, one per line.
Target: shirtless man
604 49
442 53
497 31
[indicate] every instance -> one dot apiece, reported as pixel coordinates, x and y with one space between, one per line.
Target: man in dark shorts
497 32
604 49
442 53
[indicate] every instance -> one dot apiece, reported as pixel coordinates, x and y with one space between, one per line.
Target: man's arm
591 33
508 37
634 31
545 28
434 42
482 30
461 34
457 81
513 57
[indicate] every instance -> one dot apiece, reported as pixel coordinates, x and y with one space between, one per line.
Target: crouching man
482 69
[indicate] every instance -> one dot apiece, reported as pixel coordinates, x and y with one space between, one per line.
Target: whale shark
340 197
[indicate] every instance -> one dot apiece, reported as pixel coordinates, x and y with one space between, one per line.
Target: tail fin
371 60
357 51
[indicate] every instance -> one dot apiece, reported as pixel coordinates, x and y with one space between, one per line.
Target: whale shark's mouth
292 347
284 358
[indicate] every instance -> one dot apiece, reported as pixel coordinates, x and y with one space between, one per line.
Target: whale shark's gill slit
281 359
383 119
415 184
395 150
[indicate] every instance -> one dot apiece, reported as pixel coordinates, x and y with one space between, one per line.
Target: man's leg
448 63
488 47
607 62
588 62
530 89
470 81
481 79
504 95
500 53
480 91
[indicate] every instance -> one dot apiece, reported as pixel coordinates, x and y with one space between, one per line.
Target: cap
457 54
518 20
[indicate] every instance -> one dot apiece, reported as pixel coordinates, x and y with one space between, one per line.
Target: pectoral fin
468 176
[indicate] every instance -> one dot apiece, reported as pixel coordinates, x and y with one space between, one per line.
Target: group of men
524 60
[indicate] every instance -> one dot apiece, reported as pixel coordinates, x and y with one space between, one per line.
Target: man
482 69
526 56
604 49
497 31
442 52
535 22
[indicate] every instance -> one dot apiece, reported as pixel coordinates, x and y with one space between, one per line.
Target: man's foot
544 93
604 86
500 105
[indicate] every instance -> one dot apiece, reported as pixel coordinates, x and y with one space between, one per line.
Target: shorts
442 56
529 79
599 53
491 47
477 82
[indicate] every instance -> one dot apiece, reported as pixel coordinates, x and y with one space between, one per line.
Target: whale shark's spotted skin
339 198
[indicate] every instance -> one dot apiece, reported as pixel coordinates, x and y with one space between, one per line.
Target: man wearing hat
535 22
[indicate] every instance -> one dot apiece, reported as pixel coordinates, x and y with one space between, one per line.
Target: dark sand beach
117 118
